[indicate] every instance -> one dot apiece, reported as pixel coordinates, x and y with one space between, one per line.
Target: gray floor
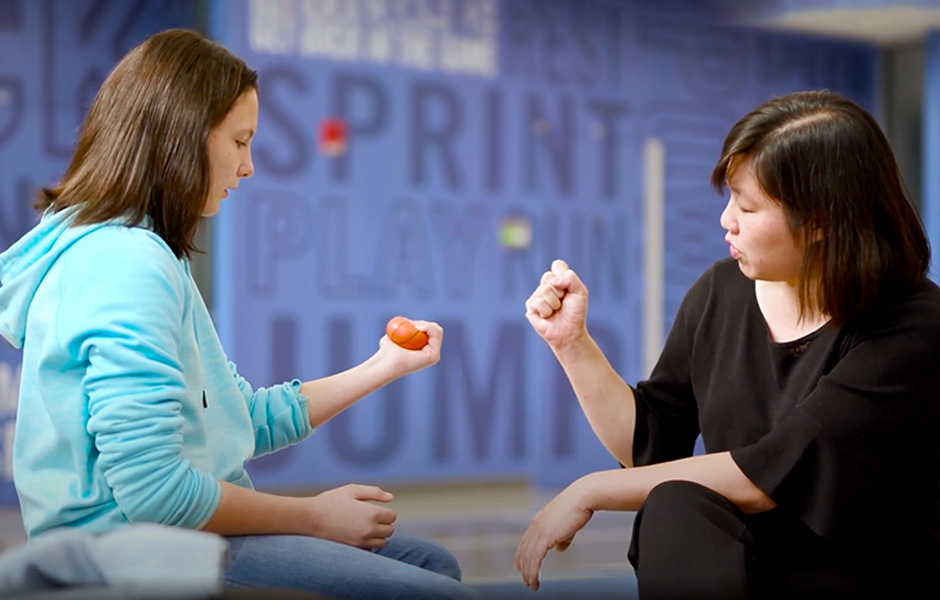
481 524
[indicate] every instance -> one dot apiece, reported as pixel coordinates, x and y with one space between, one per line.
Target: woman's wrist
587 492
575 349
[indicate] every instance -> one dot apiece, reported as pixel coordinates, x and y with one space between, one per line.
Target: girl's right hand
403 361
557 309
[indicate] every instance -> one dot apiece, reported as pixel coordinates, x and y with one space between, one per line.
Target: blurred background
430 158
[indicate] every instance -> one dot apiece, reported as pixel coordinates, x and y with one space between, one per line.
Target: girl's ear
812 233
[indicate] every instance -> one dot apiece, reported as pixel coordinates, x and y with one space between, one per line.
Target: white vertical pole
654 200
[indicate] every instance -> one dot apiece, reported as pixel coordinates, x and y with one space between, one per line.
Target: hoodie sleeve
278 413
123 300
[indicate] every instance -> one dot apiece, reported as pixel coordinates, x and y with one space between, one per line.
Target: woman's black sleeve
666 412
862 423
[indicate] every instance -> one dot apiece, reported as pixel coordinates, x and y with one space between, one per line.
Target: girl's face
758 232
230 150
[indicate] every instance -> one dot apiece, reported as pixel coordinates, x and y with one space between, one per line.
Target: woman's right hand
557 309
347 515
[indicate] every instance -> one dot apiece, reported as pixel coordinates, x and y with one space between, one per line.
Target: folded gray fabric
140 561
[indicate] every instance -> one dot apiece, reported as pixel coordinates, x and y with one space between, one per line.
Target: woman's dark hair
828 164
143 148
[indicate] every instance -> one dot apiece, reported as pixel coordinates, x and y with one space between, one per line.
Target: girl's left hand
552 527
408 361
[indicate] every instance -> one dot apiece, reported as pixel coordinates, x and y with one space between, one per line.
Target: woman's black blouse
840 428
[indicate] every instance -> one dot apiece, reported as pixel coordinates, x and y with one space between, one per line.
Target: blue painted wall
930 199
544 118
766 9
464 117
53 56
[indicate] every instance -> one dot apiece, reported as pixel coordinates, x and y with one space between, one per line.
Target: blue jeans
407 567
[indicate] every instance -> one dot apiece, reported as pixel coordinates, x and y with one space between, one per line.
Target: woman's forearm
605 398
627 489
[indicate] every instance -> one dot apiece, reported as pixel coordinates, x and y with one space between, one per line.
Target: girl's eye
240 144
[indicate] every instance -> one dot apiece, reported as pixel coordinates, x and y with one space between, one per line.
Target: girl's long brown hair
143 147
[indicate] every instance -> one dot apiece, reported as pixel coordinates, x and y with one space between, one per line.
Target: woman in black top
810 364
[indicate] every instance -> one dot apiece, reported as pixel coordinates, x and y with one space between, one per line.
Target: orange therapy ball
404 333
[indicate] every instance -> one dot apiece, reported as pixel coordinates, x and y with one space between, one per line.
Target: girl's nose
246 169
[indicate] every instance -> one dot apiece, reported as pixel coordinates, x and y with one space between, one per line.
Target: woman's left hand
552 527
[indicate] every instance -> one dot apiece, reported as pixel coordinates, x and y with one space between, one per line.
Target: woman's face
230 150
758 231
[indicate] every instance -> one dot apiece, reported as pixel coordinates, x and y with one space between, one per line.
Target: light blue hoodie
129 410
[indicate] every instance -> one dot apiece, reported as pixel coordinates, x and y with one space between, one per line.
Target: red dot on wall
332 137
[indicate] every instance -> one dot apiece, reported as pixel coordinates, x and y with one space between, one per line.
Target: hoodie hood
24 265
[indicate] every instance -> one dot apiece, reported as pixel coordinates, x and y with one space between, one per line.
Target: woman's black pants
691 543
